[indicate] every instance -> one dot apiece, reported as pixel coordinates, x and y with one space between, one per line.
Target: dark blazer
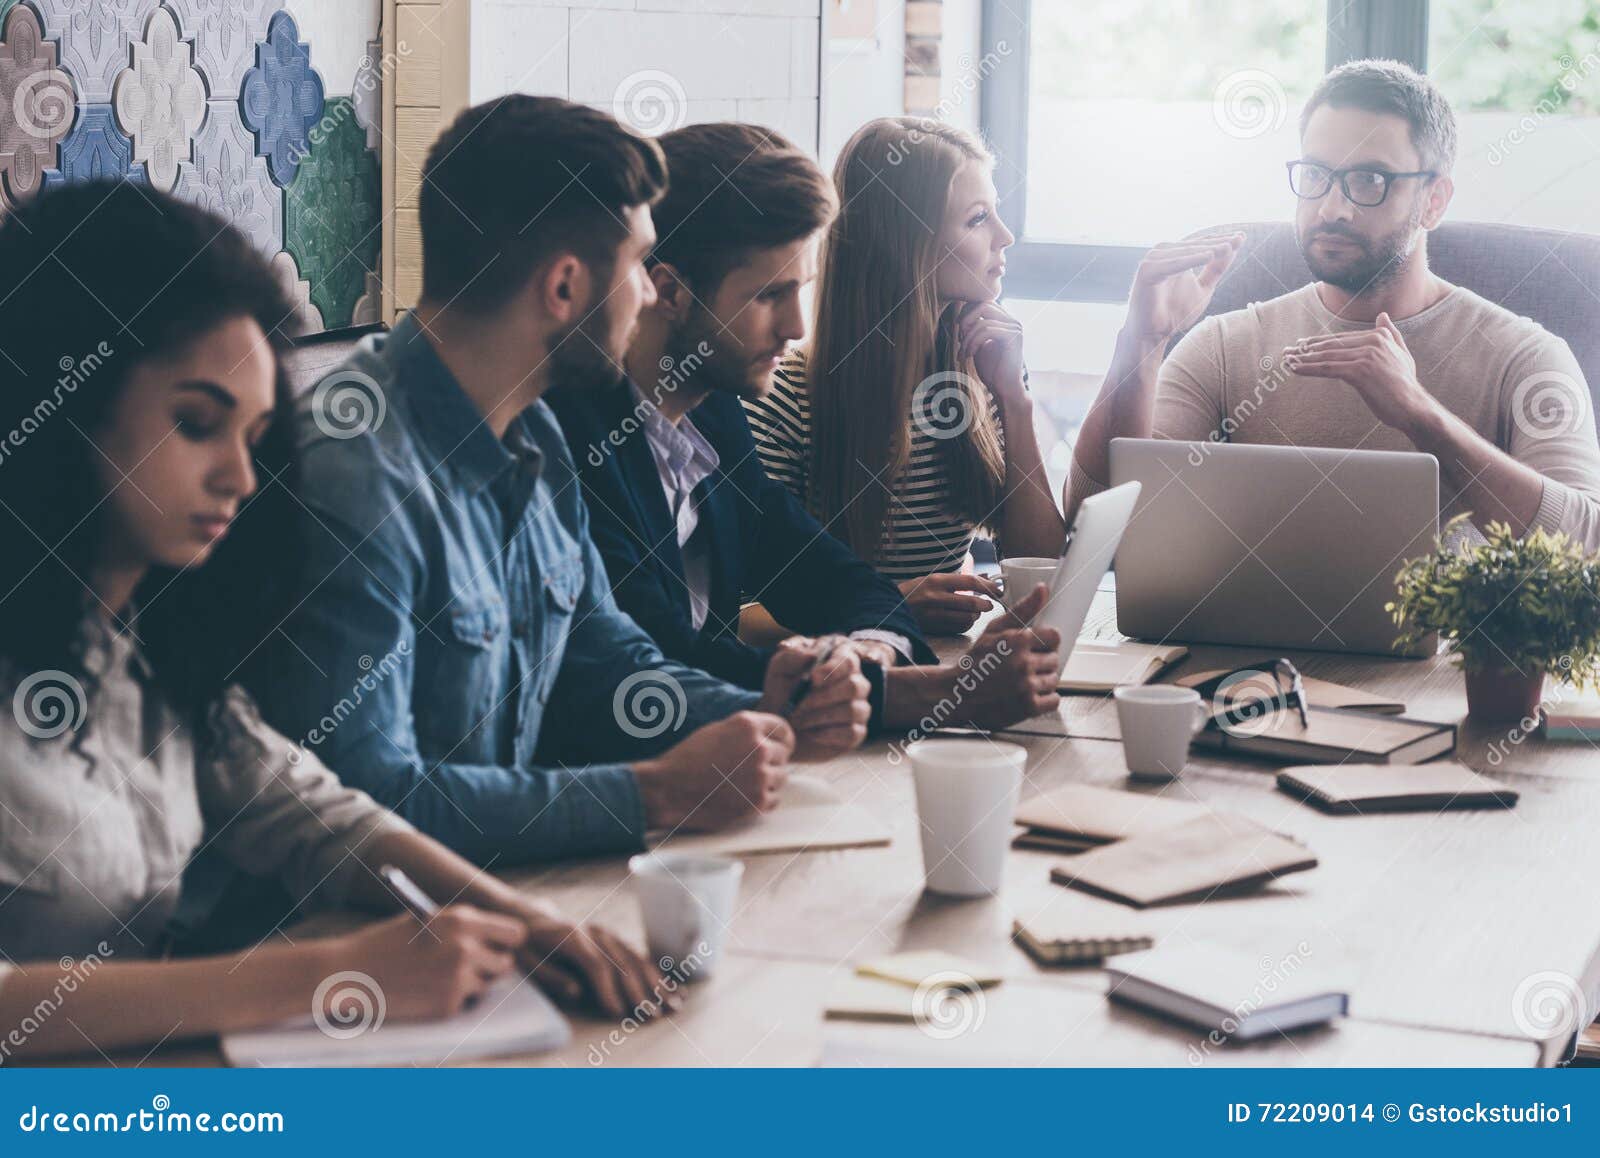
762 541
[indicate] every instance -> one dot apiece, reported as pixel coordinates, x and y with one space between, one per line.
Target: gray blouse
97 821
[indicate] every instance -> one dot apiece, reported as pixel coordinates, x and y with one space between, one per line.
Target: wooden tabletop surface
1457 933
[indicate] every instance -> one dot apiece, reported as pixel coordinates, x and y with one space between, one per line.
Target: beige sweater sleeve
1551 429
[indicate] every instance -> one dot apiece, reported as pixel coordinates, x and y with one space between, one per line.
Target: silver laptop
1278 546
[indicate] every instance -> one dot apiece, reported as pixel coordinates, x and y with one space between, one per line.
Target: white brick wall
658 62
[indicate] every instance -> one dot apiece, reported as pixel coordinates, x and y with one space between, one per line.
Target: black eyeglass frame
1341 178
1293 696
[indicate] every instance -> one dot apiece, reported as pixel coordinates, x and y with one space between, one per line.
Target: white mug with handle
1158 721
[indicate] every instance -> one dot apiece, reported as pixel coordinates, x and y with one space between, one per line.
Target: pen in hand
803 688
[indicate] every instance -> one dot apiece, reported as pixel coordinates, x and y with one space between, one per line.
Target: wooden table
1450 928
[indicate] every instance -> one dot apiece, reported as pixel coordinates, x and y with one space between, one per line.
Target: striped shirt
925 532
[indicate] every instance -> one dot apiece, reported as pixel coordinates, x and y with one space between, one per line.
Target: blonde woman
907 427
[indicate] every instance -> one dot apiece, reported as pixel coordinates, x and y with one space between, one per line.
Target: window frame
1079 272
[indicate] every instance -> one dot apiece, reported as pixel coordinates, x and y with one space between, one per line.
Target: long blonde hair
879 335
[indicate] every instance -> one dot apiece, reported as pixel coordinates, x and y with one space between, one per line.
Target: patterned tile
95 148
281 98
161 100
95 38
225 34
367 93
36 105
331 213
304 318
228 178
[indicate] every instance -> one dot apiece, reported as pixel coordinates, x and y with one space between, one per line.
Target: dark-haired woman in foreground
142 451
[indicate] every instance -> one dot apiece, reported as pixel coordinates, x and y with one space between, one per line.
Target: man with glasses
1379 353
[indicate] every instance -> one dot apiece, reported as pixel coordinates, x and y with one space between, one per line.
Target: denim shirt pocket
454 714
562 582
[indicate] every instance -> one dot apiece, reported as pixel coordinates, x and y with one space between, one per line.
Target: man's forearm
914 694
1124 408
1494 486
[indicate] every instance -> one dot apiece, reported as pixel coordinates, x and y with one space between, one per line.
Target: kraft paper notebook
511 1018
1073 928
1102 666
1363 788
1331 736
1215 854
1322 693
1084 815
812 816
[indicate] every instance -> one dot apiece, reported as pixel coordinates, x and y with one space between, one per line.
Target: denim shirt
458 653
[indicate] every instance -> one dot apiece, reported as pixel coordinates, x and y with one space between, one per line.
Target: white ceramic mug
1022 574
966 799
1158 721
687 902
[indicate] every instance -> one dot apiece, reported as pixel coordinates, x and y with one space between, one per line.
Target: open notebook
812 816
513 1017
1098 665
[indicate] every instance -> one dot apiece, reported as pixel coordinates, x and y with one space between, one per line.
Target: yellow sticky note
916 967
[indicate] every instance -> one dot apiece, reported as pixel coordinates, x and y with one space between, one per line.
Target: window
1524 79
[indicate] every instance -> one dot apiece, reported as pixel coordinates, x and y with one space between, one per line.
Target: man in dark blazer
687 522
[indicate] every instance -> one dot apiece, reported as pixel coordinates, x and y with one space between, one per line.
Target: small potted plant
1513 609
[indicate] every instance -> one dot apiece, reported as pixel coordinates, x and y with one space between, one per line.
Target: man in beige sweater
1378 353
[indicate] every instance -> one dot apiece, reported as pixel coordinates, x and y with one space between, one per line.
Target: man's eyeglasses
1364 187
1238 693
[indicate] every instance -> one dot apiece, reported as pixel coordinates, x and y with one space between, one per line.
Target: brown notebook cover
1085 814
1322 693
1362 788
1331 736
1072 928
1216 854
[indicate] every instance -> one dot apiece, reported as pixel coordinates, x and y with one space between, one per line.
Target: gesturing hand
1175 282
1375 362
948 602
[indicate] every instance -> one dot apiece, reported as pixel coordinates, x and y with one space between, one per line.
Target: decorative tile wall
264 111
